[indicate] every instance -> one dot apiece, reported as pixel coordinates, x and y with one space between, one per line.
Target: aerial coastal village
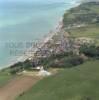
62 66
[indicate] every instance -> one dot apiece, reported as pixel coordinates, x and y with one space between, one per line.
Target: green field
91 31
78 83
86 14
5 77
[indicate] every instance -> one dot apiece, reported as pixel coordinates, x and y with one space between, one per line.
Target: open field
90 31
17 86
5 77
83 21
78 83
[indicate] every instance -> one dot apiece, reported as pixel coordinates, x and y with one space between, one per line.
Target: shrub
76 60
86 98
27 64
16 65
90 50
66 62
16 70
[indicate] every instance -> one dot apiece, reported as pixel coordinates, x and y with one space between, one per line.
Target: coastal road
17 86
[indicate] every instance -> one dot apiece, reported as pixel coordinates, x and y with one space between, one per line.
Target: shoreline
28 54
43 41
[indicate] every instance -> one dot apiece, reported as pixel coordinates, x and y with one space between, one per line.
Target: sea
24 22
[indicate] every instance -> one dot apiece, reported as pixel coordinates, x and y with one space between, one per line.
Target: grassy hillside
83 21
74 83
79 83
5 77
86 13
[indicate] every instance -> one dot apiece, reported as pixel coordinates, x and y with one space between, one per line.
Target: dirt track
17 86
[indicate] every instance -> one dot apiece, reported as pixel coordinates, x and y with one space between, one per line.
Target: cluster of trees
20 66
90 50
68 59
67 62
63 60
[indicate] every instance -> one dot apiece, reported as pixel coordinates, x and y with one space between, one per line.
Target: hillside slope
79 83
76 83
83 21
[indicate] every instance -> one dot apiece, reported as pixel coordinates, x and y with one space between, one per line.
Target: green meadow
91 31
85 15
5 77
77 83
